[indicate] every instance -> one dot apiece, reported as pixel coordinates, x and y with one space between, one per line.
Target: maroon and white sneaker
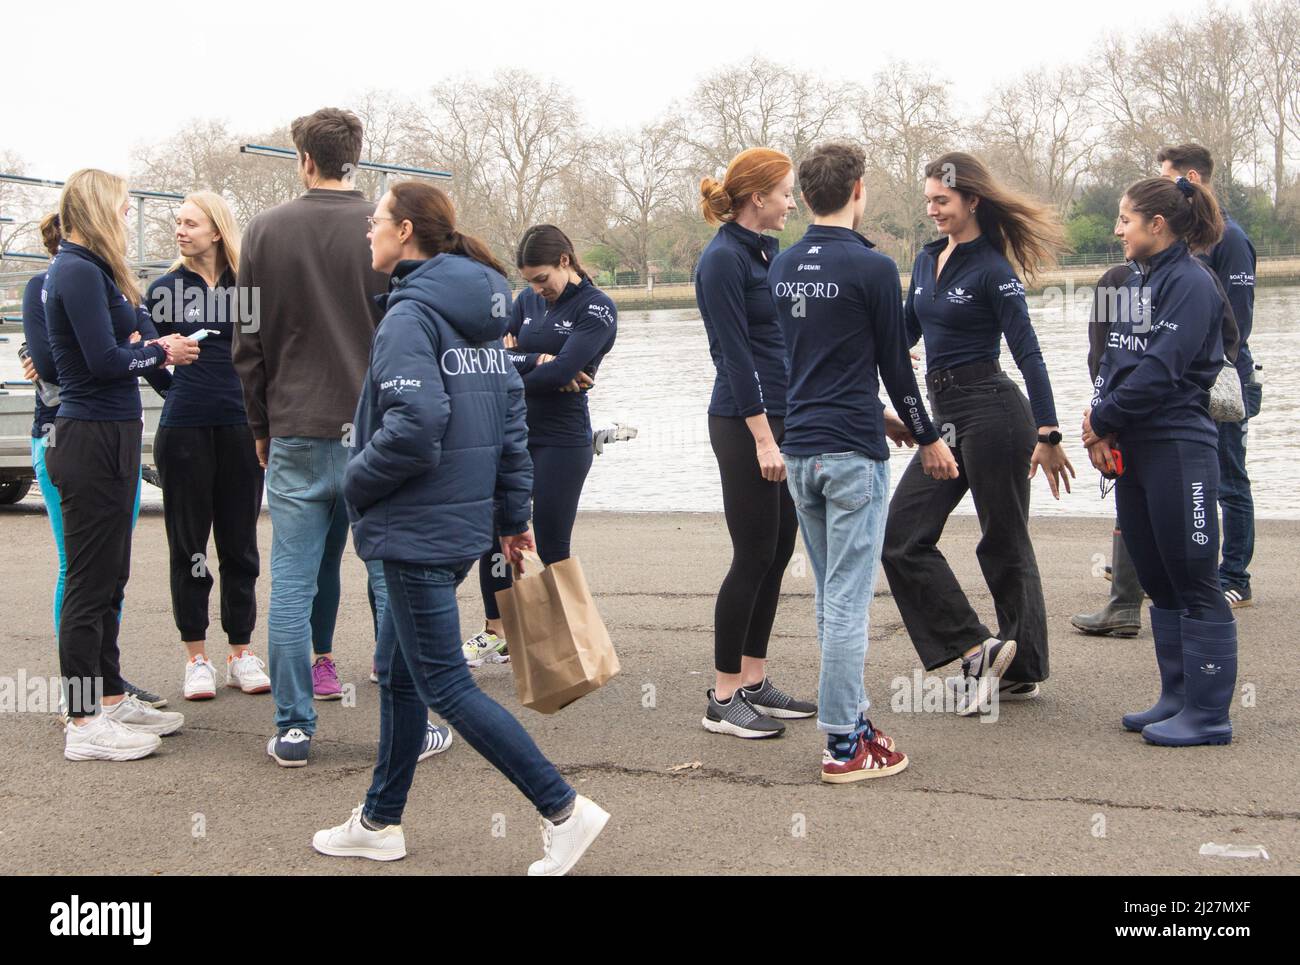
884 740
869 760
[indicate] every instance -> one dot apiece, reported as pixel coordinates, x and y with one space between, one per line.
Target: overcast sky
85 82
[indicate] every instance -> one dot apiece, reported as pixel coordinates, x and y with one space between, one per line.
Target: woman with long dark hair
964 299
561 328
439 462
92 312
1152 406
746 426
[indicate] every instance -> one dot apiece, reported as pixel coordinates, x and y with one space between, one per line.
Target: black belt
962 375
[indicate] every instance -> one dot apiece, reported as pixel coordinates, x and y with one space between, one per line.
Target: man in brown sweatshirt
301 360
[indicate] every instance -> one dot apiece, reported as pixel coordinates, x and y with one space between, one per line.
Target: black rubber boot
1210 678
1122 614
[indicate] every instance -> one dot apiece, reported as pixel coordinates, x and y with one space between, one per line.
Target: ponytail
543 244
1190 209
433 223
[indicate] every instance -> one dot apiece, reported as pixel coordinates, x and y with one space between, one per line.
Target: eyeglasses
371 221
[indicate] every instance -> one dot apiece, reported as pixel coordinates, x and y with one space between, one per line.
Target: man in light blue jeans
840 307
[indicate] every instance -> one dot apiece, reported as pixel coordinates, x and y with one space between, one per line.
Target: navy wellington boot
1210 678
1166 627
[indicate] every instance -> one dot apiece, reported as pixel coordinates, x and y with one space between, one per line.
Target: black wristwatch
1053 438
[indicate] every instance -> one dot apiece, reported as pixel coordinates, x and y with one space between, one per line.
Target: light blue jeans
841 498
304 492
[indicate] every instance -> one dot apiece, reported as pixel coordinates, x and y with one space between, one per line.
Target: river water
659 378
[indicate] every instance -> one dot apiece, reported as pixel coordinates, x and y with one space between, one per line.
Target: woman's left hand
1056 466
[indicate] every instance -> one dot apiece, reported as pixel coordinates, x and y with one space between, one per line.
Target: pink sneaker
325 680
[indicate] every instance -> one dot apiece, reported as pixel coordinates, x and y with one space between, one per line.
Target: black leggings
212 484
558 475
762 522
1167 505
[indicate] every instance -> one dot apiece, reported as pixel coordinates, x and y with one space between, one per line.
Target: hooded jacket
440 441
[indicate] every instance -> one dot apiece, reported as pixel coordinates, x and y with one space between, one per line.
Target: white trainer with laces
352 839
484 647
104 739
247 672
565 843
132 712
200 679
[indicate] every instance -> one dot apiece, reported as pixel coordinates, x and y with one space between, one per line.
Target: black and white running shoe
1017 690
1238 597
144 696
982 675
769 699
738 718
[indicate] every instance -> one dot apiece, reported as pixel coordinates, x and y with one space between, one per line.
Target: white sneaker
352 839
200 679
247 672
104 739
565 843
140 716
484 647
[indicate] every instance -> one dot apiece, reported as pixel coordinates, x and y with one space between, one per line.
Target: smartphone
203 333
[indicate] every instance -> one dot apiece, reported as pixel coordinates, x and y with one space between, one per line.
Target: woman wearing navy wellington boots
1152 405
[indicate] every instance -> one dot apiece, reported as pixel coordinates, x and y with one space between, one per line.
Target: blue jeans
54 510
421 666
309 524
377 593
1235 497
841 498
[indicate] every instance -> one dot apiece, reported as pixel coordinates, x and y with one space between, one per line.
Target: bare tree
904 120
1040 133
1276 79
759 104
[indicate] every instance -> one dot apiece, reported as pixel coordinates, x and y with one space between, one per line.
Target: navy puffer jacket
440 443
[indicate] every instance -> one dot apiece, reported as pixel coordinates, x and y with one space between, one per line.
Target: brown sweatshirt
303 356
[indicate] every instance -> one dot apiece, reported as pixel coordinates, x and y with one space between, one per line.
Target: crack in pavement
730 777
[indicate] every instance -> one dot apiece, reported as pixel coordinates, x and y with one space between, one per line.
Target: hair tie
1185 186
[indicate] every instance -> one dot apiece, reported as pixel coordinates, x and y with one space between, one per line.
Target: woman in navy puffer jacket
440 455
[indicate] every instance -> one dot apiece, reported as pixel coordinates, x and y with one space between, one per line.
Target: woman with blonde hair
746 425
964 298
207 463
92 311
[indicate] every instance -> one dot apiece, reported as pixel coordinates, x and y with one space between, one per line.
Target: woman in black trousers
92 311
207 463
964 297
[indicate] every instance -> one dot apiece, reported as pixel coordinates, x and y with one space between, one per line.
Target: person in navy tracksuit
1152 404
207 462
964 299
1233 261
746 426
561 328
439 461
92 315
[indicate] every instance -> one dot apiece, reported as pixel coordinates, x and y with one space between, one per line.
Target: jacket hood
471 297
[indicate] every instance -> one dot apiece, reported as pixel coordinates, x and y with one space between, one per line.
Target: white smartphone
203 333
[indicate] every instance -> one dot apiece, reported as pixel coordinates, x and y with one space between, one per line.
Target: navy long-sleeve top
579 330
206 392
90 323
1233 260
1163 354
38 345
745 339
964 314
841 313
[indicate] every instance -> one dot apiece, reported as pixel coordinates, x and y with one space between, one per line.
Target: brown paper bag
559 647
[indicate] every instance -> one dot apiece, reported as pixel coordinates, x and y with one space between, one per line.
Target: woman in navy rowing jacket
561 327
207 463
439 463
746 426
963 299
92 314
1152 404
